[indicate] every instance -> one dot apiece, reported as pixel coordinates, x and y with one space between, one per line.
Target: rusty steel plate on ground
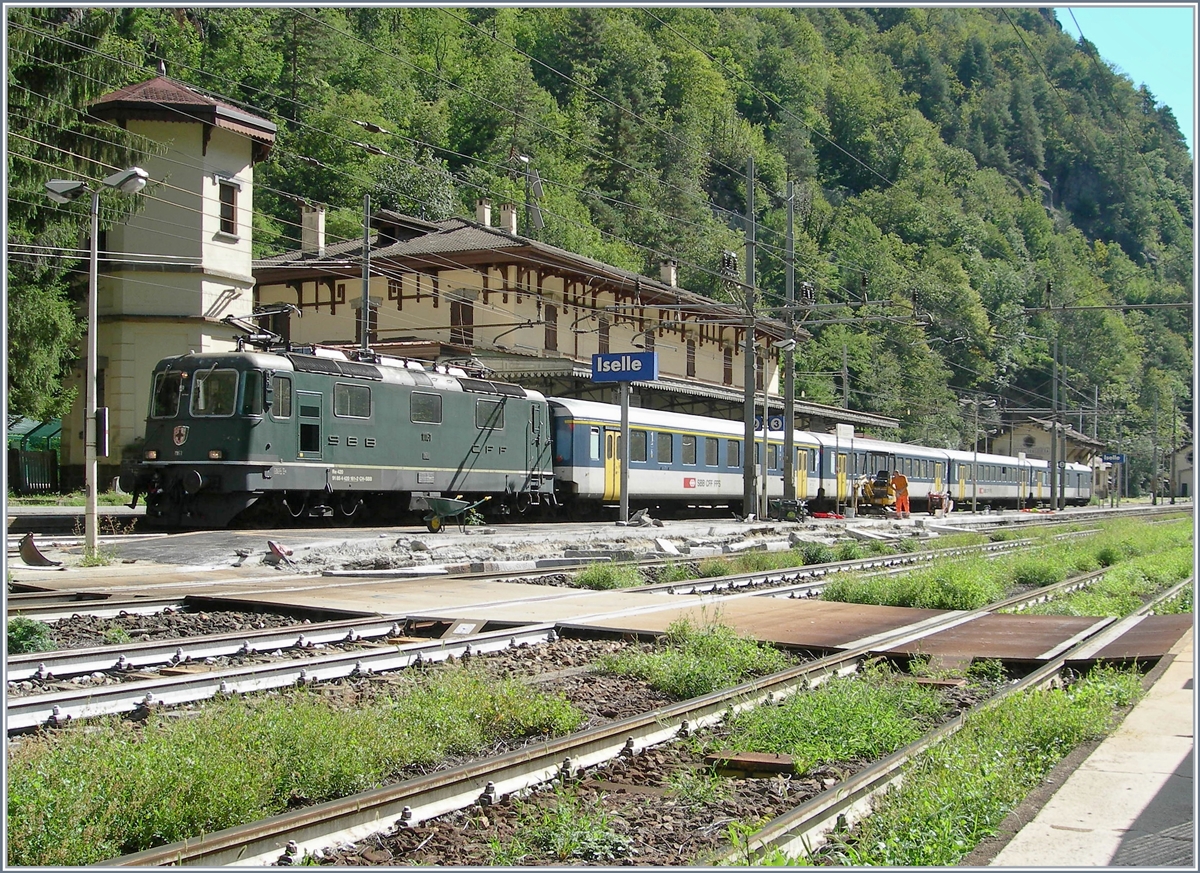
997 635
1152 637
805 624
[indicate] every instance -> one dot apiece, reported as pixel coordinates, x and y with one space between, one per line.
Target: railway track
127 659
292 835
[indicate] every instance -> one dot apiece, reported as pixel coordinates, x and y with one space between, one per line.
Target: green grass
563 829
1124 587
82 796
690 661
25 635
603 577
74 498
850 718
958 793
971 583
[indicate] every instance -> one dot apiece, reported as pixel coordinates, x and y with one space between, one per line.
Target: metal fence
32 472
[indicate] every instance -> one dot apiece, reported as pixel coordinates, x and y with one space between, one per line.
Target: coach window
637 445
689 449
490 414
351 401
282 405
214 392
663 448
733 453
712 452
165 400
425 408
772 457
594 443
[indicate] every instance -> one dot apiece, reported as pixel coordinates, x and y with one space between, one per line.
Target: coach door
841 477
801 473
612 465
962 479
308 404
938 473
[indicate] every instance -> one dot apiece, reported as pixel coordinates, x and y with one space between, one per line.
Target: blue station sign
1113 458
625 367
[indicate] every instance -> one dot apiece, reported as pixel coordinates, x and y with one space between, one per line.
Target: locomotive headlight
151 454
216 454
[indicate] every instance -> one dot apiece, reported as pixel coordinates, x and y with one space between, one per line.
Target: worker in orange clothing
900 486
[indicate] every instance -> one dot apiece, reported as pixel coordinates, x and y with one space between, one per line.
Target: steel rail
53 708
413 801
132 656
804 828
135 656
56 708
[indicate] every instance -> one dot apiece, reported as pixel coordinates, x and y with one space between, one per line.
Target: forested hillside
973 163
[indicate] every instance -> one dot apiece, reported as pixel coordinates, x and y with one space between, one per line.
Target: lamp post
976 402
128 181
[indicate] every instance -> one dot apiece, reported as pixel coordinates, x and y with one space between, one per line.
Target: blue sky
1150 44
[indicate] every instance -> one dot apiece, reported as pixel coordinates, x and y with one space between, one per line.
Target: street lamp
976 402
128 181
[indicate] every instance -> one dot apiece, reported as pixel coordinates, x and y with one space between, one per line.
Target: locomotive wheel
435 523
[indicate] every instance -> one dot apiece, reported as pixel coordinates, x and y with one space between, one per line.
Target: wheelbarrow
442 508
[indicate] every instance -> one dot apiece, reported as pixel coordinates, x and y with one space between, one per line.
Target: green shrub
26 636
817 553
850 550
606 576
711 568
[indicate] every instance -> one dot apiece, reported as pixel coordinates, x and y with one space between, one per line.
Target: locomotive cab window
165 400
425 408
281 404
214 392
252 393
489 414
351 401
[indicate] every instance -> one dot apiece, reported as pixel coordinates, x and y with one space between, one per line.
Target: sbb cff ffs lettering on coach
274 437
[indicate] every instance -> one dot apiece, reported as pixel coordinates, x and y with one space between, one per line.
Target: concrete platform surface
1132 801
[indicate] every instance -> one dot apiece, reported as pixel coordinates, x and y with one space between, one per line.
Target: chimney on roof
312 230
668 271
483 212
508 218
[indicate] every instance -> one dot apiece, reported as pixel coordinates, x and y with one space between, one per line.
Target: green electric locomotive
272 437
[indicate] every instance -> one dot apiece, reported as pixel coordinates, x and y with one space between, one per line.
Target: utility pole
748 491
789 361
365 315
845 379
1174 449
1054 428
1154 456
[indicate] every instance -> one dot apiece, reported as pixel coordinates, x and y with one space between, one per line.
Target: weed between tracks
694 660
974 582
960 791
82 796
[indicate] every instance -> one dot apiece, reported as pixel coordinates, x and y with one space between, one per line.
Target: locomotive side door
308 404
612 464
